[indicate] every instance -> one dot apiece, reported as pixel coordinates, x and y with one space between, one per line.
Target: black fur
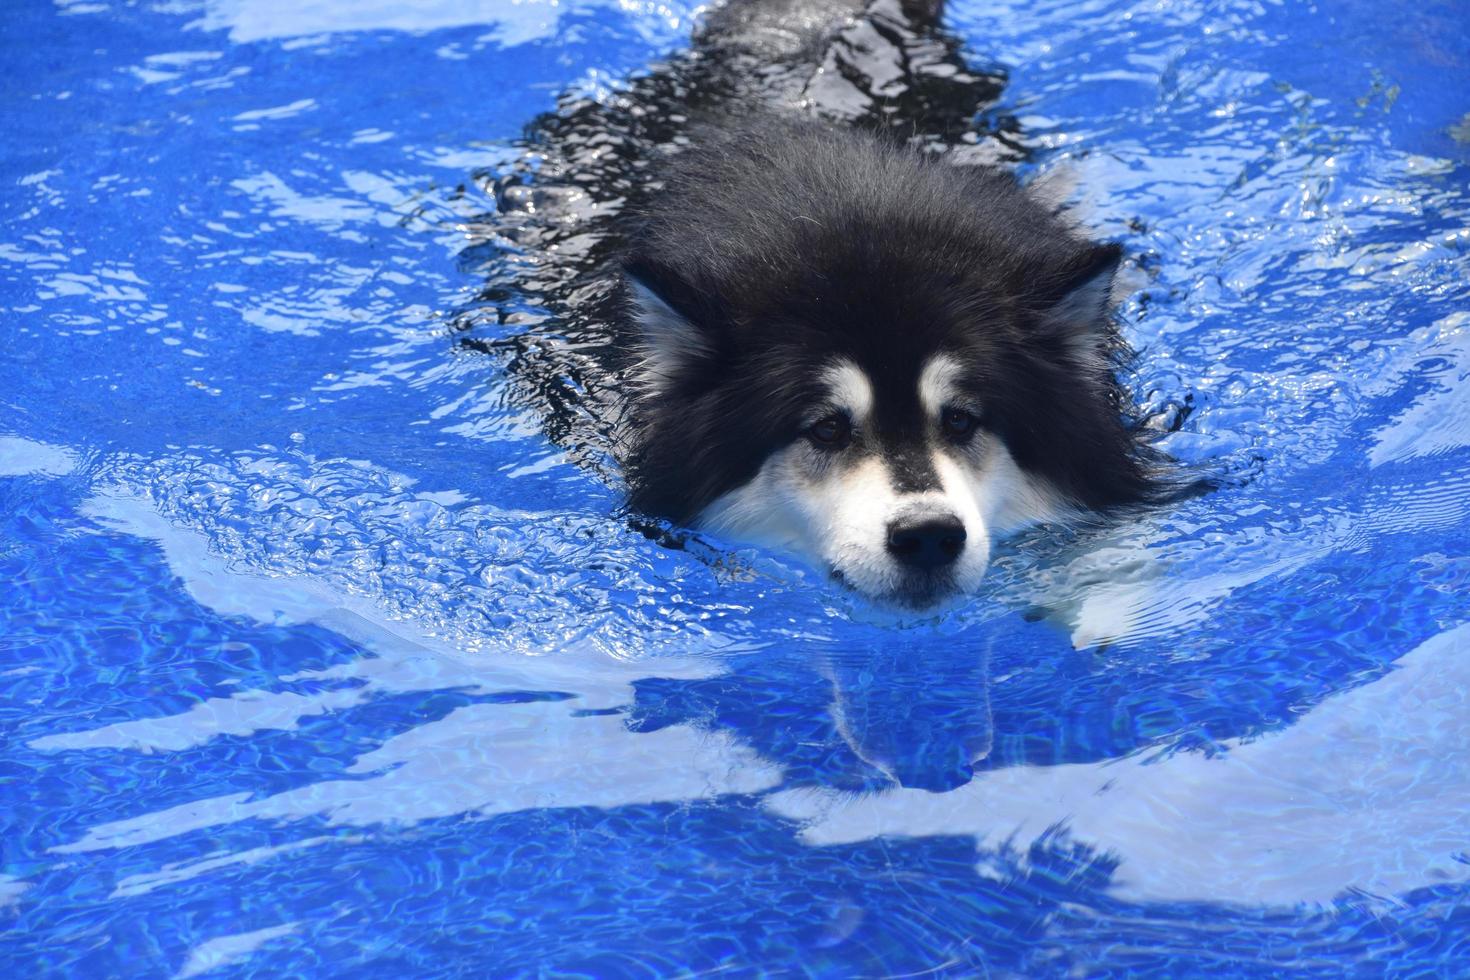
550 251
792 242
786 234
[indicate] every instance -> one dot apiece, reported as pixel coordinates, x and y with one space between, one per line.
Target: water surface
318 655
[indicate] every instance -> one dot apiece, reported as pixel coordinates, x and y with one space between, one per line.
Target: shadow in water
909 714
893 716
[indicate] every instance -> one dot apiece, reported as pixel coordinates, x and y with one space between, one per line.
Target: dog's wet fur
871 357
831 324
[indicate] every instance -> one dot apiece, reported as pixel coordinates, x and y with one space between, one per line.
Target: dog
815 314
868 356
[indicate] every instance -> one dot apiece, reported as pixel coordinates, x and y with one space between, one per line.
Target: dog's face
873 439
869 358
894 488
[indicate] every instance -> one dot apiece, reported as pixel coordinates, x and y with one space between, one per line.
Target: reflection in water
921 734
1367 792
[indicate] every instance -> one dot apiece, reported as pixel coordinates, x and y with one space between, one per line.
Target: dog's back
562 210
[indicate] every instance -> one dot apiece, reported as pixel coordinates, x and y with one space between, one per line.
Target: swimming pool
317 656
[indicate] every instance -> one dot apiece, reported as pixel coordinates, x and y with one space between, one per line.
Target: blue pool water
319 657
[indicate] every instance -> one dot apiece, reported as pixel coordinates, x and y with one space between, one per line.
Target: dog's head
872 359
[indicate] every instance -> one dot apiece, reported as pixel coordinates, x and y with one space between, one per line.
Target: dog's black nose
928 544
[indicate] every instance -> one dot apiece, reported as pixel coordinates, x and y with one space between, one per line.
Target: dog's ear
659 324
1075 303
670 343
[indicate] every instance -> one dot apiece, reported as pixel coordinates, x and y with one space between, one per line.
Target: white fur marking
850 389
1006 497
841 521
939 383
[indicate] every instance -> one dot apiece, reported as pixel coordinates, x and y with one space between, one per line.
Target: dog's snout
930 543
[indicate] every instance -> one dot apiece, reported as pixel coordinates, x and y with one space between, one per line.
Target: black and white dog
874 351
871 357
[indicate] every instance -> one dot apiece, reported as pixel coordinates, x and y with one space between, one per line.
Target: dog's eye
832 432
958 424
